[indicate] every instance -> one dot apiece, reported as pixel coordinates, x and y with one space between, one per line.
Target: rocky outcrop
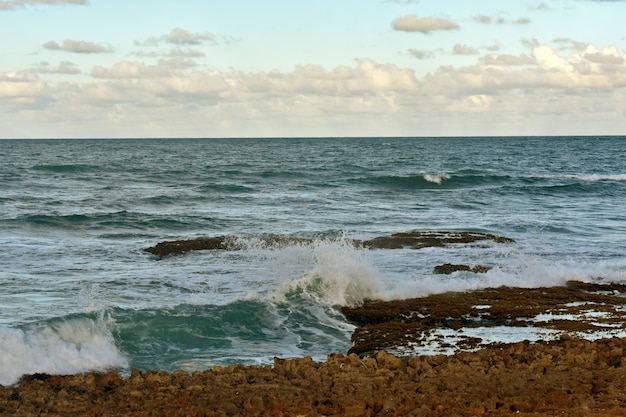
450 268
403 325
566 377
414 240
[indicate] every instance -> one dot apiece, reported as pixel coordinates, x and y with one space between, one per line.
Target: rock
415 240
403 324
568 376
450 268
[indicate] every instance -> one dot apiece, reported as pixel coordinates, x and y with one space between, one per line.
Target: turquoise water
79 293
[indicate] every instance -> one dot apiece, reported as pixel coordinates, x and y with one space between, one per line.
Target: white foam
587 177
331 272
66 347
437 178
515 270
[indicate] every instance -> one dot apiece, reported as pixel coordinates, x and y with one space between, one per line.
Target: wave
585 177
59 346
337 273
67 168
249 331
436 181
114 220
463 179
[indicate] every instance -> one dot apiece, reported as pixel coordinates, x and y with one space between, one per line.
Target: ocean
79 293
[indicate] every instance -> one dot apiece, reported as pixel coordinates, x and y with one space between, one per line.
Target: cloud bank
501 93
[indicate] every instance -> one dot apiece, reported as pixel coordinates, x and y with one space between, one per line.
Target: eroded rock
450 268
398 324
414 240
565 377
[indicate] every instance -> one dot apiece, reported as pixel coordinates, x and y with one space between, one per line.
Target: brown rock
415 240
450 268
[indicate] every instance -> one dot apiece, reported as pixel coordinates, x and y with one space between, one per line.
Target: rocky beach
568 375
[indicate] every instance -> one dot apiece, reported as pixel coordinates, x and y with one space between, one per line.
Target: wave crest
338 273
61 347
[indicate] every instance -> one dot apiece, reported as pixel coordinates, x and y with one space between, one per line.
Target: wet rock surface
415 240
406 325
567 376
451 268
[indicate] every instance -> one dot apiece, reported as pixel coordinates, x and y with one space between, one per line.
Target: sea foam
60 347
332 272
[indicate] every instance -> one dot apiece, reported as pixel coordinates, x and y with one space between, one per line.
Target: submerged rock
450 268
414 240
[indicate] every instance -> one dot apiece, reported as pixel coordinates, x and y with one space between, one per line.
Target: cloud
541 7
507 60
412 23
82 47
180 36
608 56
188 53
21 90
421 53
64 67
459 49
482 18
367 76
498 94
15 4
499 19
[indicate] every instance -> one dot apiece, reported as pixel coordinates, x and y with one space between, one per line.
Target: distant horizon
316 137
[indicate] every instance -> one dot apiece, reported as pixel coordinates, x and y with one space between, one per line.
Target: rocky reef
566 376
414 240
575 367
408 325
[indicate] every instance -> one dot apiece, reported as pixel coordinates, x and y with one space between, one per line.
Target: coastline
571 376
568 375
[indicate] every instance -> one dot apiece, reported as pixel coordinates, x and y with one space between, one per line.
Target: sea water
78 293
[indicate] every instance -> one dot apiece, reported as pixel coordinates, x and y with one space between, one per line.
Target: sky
323 68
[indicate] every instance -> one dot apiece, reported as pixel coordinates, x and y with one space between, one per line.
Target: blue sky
112 68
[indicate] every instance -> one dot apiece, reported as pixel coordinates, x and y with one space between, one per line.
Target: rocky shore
575 366
566 376
570 377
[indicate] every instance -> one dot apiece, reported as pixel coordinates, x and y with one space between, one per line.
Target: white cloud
20 91
499 93
70 45
180 36
483 18
507 60
547 59
54 2
500 19
421 53
459 49
15 4
609 55
65 67
413 23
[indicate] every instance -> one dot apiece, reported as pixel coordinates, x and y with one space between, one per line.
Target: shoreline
568 374
575 376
